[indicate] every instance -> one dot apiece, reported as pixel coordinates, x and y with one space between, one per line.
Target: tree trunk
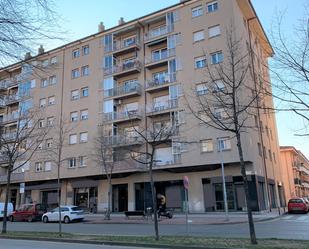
109 201
154 201
59 202
5 211
246 188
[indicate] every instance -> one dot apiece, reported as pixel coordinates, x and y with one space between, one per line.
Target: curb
109 243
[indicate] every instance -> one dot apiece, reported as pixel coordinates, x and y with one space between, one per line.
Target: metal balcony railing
14 116
126 66
122 45
122 140
127 115
156 33
163 106
123 89
158 57
161 81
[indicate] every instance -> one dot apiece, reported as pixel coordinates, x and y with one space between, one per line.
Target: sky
81 18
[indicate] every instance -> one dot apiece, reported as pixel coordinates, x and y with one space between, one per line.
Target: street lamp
220 145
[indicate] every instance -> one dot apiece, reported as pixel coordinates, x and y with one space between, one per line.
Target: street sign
186 182
22 188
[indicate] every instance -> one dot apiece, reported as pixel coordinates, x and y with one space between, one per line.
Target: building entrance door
120 198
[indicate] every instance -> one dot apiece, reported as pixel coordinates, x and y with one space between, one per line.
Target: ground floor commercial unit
131 191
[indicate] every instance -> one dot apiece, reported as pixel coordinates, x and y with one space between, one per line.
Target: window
220 113
83 137
74 116
84 114
53 60
47 166
201 89
40 146
75 53
159 54
49 143
218 86
85 50
264 152
50 121
85 70
214 31
74 94
51 100
198 36
259 149
72 162
73 139
270 156
129 41
52 80
82 161
224 143
216 58
274 157
75 73
200 62
42 103
212 7
41 123
44 83
207 145
45 63
38 167
85 92
197 11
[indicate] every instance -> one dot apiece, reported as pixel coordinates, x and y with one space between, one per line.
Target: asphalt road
286 227
26 244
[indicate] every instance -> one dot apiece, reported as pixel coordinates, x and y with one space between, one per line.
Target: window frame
70 139
202 38
197 9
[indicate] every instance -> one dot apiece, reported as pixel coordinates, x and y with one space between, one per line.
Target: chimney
28 56
101 27
40 50
121 21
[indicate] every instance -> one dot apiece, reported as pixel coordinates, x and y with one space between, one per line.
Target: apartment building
295 172
135 76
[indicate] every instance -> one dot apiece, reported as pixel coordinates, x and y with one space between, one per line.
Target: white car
68 214
10 209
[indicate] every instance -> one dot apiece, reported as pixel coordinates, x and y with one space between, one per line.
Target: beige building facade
295 172
138 74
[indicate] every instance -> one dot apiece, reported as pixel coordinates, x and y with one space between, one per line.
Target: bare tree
19 146
23 25
59 131
105 155
152 138
291 66
228 101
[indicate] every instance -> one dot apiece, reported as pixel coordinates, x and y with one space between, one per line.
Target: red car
297 205
28 212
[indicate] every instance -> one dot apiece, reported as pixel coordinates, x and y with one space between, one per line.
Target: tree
23 25
152 137
105 155
229 100
19 146
291 67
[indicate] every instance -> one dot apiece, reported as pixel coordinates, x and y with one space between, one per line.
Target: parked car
28 212
10 209
298 205
68 214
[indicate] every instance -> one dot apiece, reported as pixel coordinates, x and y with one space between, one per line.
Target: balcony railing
124 67
9 136
121 140
2 103
175 159
11 117
163 106
161 81
156 33
164 55
15 177
9 99
123 90
119 116
122 45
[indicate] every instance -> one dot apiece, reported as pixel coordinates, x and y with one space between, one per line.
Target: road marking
287 217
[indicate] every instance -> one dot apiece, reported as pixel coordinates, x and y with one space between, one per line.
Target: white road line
287 217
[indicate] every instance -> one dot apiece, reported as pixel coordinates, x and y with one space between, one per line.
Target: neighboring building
137 73
295 172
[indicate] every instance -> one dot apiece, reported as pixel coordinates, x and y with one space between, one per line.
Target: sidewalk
215 218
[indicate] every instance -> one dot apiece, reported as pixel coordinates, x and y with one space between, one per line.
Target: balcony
10 118
123 47
119 117
124 69
173 159
157 35
162 107
122 140
9 136
3 158
2 103
160 59
160 83
15 177
12 99
124 90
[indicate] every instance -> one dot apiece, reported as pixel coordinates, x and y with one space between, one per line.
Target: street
28 244
285 227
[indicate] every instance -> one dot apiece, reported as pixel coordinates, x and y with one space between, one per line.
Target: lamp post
223 181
